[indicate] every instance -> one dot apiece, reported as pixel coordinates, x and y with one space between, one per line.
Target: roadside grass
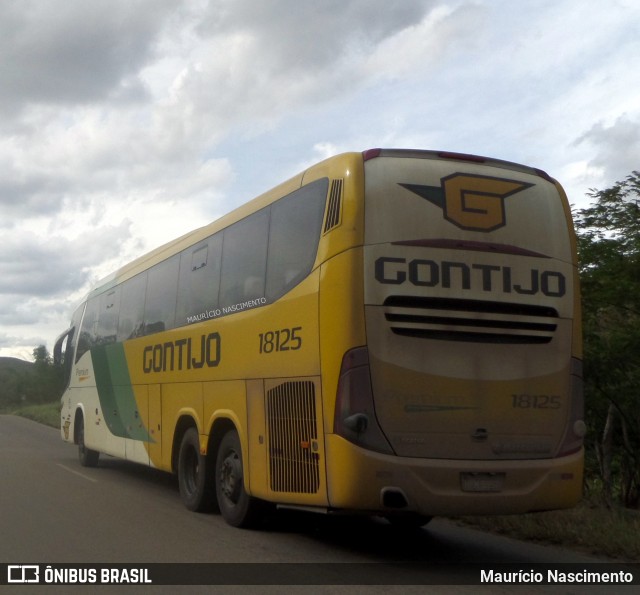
590 527
45 413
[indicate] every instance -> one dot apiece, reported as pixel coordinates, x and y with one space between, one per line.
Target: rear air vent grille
470 320
293 438
334 209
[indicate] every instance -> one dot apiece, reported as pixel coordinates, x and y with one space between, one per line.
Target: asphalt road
52 510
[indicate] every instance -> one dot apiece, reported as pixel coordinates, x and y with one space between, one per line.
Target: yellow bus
392 332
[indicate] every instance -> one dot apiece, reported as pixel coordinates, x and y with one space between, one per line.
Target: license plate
482 482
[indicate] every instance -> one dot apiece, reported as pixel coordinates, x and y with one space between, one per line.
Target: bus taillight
355 417
576 428
371 154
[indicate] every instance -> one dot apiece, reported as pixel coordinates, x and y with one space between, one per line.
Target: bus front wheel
87 457
236 506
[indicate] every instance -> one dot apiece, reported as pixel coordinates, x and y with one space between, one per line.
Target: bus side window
244 259
160 303
296 221
199 280
131 318
108 316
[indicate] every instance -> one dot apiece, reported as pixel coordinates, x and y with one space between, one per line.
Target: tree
41 356
45 382
609 253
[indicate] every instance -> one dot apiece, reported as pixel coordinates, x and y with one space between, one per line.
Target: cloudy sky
124 124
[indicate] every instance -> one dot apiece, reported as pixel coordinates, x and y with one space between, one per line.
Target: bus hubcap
231 476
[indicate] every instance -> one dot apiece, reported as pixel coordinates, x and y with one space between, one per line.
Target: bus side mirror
58 353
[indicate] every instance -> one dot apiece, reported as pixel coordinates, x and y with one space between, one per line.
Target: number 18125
286 339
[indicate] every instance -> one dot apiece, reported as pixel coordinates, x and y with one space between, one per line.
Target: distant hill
16 382
14 363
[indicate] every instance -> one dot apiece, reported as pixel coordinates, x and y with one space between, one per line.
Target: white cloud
75 52
616 148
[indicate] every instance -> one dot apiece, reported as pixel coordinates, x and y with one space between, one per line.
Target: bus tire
237 508
86 456
195 478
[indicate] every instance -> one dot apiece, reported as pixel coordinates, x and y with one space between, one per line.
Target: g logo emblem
477 202
470 201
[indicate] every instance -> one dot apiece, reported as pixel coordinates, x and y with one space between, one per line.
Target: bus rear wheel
87 457
237 508
195 478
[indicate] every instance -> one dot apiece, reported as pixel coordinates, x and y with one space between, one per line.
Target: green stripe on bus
116 393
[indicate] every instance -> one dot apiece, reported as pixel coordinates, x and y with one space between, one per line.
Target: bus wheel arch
220 427
182 426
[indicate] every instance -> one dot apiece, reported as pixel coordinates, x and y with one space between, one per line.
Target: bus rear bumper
359 479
